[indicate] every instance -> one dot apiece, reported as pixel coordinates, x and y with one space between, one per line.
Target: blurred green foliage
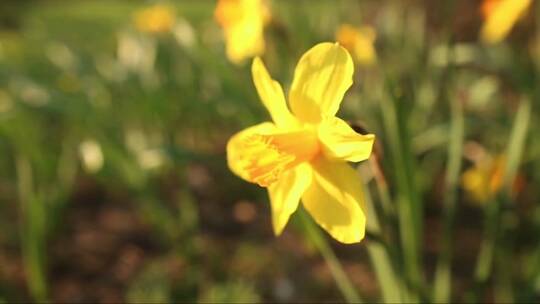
114 185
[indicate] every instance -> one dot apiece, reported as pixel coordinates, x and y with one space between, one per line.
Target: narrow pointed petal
271 94
500 22
322 76
335 200
285 195
236 148
244 42
341 142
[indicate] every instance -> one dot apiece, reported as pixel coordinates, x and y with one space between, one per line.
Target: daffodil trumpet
302 154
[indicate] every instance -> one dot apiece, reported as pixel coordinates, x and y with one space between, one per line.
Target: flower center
270 155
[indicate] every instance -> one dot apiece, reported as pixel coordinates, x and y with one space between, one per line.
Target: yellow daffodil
359 41
155 19
303 153
243 24
499 18
485 179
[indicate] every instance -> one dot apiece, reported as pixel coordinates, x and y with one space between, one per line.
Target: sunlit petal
322 76
271 94
335 200
501 18
285 194
236 151
341 142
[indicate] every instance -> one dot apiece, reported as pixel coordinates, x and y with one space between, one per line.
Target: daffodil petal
322 76
499 23
244 41
271 94
358 41
235 147
243 23
335 200
475 182
285 194
341 142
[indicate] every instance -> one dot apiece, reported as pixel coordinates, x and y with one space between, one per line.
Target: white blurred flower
144 149
136 52
135 140
91 155
462 53
110 69
29 91
150 158
61 56
184 33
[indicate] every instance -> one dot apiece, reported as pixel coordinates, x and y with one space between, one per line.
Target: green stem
378 253
408 204
443 273
516 144
342 281
485 256
514 152
32 230
492 229
503 291
382 188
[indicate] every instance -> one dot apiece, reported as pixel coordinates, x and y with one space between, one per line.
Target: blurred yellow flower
154 19
359 41
499 18
243 24
484 179
302 154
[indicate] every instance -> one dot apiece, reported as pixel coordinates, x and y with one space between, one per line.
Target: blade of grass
408 204
384 270
32 231
492 229
382 188
342 281
516 144
443 272
442 288
485 255
504 291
